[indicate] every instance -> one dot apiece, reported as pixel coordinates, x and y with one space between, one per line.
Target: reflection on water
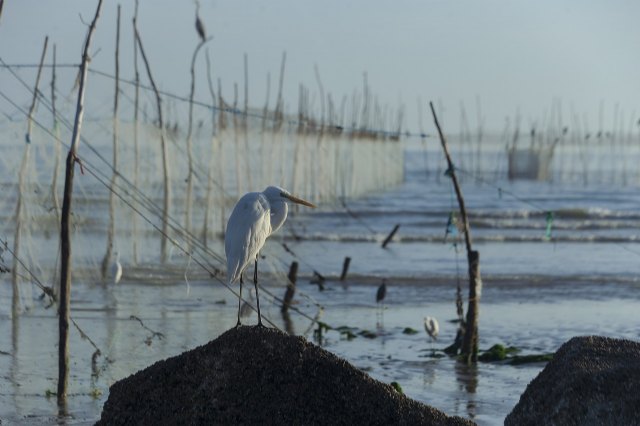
467 378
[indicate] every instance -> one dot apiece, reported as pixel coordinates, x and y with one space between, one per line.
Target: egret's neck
279 211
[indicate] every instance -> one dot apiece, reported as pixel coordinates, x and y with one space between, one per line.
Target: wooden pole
57 147
58 154
65 240
221 163
390 236
291 287
114 174
245 124
278 113
164 251
189 195
469 350
345 268
236 141
136 145
214 152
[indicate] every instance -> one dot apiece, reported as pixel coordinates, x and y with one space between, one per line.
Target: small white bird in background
431 327
255 216
116 269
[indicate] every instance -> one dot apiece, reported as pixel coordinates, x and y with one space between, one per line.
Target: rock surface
254 375
590 381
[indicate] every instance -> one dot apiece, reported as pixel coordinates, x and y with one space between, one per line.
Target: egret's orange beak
298 200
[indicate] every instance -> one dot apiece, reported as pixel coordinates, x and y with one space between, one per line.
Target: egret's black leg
255 283
239 303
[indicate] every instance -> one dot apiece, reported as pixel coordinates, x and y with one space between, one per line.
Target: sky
506 56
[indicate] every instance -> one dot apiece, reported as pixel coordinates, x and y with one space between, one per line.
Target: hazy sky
510 54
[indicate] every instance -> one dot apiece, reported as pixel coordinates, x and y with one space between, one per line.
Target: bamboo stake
164 252
216 151
345 268
221 126
15 301
222 123
58 153
390 236
136 145
236 142
245 132
57 147
112 213
65 240
469 350
265 112
189 196
291 287
278 114
320 190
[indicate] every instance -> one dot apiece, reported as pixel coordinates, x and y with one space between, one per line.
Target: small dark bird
200 28
382 291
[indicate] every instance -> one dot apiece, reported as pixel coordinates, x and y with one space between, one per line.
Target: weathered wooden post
345 268
164 242
190 176
390 236
469 350
114 174
65 240
291 287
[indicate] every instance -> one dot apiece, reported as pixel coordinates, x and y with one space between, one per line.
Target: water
538 292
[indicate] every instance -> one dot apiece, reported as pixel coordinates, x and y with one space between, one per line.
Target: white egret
116 269
431 327
255 216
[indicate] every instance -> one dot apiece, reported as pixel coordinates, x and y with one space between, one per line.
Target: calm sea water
544 282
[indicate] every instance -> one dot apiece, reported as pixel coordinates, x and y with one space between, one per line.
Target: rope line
235 111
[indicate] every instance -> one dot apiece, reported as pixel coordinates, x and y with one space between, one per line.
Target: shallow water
538 292
536 318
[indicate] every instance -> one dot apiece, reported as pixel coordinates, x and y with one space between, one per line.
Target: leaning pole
469 350
65 240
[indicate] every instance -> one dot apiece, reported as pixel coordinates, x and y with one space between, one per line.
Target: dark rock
590 381
254 375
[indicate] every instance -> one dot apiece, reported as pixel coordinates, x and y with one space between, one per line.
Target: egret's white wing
247 229
116 272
